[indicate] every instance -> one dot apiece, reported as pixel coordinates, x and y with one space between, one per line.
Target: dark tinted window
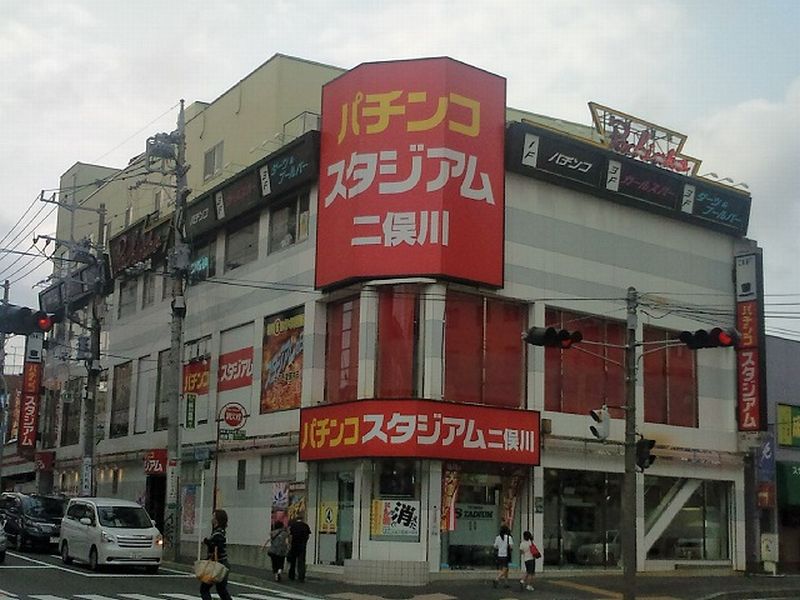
43 507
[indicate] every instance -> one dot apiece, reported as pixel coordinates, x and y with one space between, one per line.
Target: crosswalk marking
180 596
277 595
93 597
139 597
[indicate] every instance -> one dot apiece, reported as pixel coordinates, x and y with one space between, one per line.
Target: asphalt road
34 576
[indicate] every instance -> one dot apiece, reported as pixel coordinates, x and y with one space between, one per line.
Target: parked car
3 540
31 520
108 531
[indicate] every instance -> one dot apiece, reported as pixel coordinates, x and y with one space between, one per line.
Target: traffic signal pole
628 523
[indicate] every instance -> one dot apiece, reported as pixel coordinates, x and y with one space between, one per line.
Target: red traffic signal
21 320
551 337
44 322
716 338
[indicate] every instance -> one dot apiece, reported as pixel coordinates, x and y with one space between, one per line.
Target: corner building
356 300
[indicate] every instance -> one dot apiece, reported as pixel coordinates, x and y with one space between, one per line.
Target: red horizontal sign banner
155 462
419 429
235 369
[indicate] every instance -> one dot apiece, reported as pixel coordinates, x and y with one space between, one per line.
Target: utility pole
177 266
628 523
4 398
93 369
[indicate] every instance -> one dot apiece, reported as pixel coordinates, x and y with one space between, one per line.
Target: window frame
212 161
301 206
239 227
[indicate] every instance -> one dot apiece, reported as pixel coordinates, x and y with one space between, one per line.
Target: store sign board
144 239
750 359
29 399
722 207
155 462
292 167
419 429
643 141
200 217
411 173
235 369
532 149
640 182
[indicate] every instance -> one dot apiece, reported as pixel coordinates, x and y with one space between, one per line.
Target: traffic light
716 338
643 457
551 337
602 423
21 320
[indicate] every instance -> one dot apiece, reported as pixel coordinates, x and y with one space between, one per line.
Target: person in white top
503 544
528 554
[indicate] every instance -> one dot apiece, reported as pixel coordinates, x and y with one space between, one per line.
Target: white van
107 531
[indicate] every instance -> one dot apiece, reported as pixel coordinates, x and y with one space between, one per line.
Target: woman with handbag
528 554
217 552
278 547
503 544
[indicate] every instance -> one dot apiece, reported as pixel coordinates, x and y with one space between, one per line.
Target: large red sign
29 408
751 402
411 173
235 369
419 429
195 377
155 462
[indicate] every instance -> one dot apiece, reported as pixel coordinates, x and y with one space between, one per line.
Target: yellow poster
784 425
328 517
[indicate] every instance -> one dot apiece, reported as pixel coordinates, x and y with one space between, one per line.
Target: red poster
749 389
155 462
419 429
44 461
412 174
235 369
29 408
282 367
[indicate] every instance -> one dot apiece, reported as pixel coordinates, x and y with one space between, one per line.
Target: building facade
356 293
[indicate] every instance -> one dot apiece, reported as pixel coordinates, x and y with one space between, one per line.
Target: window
162 398
484 359
128 216
288 223
241 474
396 500
396 368
120 400
241 244
341 357
670 380
149 291
71 397
278 467
127 298
212 163
577 382
202 262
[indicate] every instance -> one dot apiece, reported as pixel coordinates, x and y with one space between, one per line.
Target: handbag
210 571
535 551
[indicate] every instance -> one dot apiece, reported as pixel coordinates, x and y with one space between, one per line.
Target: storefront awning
788 484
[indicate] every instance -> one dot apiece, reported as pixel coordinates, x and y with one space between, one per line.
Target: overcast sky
90 80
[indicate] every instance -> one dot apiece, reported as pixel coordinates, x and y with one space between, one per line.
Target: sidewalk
686 584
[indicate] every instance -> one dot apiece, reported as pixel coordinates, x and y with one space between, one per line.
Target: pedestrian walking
528 553
299 532
503 545
278 547
216 544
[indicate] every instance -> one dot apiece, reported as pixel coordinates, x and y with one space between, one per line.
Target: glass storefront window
396 511
699 530
581 518
336 502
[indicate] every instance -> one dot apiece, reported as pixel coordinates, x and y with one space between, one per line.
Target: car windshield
128 517
43 507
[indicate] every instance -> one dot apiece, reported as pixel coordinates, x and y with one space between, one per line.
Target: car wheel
93 559
65 557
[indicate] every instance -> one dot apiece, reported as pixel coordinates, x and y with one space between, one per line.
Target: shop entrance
337 497
483 503
154 498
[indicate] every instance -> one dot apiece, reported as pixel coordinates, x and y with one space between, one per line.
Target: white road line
7 594
93 597
180 596
277 594
138 597
46 597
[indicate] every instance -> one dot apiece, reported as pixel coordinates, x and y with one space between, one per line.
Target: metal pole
93 374
174 363
4 400
200 515
629 482
216 465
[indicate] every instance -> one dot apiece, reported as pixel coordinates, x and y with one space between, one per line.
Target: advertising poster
328 517
279 505
189 508
395 518
450 483
282 367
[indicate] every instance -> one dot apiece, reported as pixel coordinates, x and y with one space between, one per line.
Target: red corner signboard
29 408
412 173
155 462
419 429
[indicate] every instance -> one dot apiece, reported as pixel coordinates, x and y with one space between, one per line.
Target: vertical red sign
749 360
412 173
29 408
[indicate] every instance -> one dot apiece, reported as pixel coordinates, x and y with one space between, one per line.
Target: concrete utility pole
177 267
93 370
628 529
4 399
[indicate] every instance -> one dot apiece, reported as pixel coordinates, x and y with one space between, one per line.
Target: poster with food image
282 367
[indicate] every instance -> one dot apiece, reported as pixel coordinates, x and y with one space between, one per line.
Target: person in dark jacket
217 550
278 546
299 532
